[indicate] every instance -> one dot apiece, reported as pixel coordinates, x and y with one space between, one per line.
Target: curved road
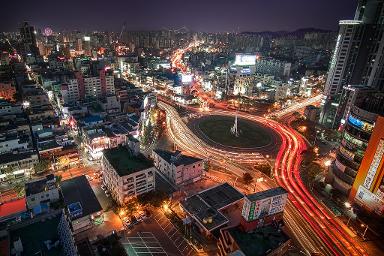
314 227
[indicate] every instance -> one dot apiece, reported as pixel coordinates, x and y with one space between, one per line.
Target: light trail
326 234
295 107
312 224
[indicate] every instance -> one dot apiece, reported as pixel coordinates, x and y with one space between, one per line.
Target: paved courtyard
143 244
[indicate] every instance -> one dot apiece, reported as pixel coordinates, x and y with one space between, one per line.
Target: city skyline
192 128
196 16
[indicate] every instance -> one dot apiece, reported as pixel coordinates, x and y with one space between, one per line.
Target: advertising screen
360 124
356 122
165 65
245 60
245 71
186 78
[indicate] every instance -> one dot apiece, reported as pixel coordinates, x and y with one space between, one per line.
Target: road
296 106
313 226
310 222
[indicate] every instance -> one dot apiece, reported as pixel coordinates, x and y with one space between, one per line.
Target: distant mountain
298 32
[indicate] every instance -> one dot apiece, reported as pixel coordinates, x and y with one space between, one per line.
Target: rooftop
266 194
13 207
176 157
92 119
259 242
39 185
208 216
11 157
221 196
205 205
78 190
124 162
33 236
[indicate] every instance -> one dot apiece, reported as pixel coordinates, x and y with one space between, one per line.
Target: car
134 221
127 223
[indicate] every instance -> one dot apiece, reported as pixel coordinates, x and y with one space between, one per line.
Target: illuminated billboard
186 78
367 187
245 71
87 38
360 124
165 65
245 60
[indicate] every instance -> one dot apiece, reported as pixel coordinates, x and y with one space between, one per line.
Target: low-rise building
268 240
127 175
20 163
282 91
84 210
260 211
13 142
179 169
8 108
48 234
41 192
263 207
206 207
312 113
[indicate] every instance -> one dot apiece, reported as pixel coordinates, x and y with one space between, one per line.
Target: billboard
186 78
165 65
245 60
245 71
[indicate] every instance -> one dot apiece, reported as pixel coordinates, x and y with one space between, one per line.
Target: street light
165 207
365 230
121 213
347 205
328 163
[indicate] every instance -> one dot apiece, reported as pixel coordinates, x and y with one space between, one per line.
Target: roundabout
217 131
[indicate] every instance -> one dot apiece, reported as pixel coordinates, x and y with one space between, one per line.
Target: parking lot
143 244
173 234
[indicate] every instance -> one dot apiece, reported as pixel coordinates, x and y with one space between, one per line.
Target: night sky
197 15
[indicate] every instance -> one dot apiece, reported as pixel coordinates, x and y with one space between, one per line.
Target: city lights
186 135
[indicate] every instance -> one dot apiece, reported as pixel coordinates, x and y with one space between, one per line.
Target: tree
59 178
20 189
41 166
311 173
152 198
9 170
247 178
64 161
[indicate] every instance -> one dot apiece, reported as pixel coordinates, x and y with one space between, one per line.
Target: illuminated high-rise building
357 58
357 131
368 188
